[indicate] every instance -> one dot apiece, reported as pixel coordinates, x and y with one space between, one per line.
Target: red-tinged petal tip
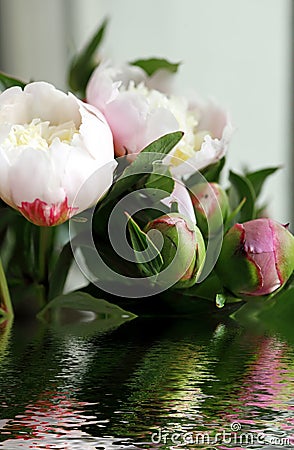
43 214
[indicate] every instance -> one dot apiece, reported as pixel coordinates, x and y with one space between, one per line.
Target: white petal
48 103
32 177
101 89
95 136
181 195
5 191
92 188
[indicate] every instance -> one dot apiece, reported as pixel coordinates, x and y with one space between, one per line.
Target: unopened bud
183 247
257 257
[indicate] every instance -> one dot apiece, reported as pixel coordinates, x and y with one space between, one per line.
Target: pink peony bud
183 246
257 257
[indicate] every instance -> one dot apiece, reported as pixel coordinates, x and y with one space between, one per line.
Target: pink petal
42 214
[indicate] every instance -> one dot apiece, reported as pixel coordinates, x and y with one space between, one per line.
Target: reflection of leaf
70 308
152 65
5 301
272 314
5 329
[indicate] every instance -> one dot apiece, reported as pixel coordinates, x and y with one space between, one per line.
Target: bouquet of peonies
122 179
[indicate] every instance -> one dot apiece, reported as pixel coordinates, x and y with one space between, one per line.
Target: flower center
39 135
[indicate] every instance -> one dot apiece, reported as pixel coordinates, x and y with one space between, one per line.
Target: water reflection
176 382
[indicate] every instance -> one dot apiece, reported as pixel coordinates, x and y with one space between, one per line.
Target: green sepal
142 243
246 276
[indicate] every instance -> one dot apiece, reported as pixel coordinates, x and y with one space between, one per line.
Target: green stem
45 250
5 300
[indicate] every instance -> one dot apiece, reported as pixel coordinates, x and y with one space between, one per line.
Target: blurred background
238 52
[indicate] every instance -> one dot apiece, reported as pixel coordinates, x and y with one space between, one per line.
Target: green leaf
7 81
211 173
143 164
81 301
152 65
242 188
84 63
234 213
160 178
60 272
142 243
258 178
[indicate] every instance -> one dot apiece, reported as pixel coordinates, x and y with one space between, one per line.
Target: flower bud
257 257
211 206
182 247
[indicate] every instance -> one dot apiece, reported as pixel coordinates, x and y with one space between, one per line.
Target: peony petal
212 150
266 263
127 73
5 189
160 122
31 177
181 195
210 117
47 103
101 89
14 107
92 188
127 119
42 214
95 136
258 236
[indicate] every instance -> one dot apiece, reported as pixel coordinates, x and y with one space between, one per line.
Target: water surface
149 383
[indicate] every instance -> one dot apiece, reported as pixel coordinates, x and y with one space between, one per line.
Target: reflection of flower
267 386
50 144
138 114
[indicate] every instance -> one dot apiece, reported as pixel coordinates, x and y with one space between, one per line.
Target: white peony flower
139 114
50 145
